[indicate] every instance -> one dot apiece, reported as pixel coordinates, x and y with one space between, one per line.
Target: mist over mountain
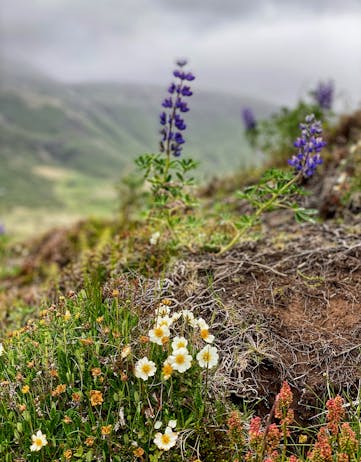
99 128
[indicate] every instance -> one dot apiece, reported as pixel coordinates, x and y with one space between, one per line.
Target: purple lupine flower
2 229
249 119
175 105
163 118
189 77
309 146
172 88
186 91
183 107
178 138
324 94
179 74
167 102
179 122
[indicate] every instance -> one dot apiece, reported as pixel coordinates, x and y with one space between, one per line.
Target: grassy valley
64 147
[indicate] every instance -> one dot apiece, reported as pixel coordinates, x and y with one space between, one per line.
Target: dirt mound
283 308
348 129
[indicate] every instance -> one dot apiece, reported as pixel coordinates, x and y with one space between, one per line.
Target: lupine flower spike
175 106
324 95
309 146
249 119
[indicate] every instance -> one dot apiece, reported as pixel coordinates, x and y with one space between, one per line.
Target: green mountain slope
60 142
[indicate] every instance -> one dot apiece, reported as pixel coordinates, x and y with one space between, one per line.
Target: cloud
284 57
273 49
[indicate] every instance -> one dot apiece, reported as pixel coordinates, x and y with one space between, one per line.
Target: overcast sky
273 49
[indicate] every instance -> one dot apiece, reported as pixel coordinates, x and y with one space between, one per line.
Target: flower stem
257 214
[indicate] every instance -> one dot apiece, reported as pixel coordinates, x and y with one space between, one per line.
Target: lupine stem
304 164
258 213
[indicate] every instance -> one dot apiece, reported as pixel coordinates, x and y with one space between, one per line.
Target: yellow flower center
204 333
181 344
38 442
165 439
180 359
167 369
158 332
146 368
206 357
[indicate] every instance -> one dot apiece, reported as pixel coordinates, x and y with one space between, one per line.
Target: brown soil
285 309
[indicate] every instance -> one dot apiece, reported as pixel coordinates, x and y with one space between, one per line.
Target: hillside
281 309
65 145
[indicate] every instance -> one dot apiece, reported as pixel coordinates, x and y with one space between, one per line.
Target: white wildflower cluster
165 333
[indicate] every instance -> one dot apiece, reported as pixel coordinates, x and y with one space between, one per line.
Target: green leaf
302 214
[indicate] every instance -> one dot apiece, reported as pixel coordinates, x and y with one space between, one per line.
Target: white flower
172 423
179 342
1 349
166 440
188 316
158 333
208 357
167 369
154 238
39 440
206 336
204 331
144 368
164 321
180 360
162 310
158 424
175 316
202 323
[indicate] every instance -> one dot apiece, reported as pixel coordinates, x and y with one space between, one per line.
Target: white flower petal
154 238
179 342
158 424
172 423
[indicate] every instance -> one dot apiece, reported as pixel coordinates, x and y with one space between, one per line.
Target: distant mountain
95 130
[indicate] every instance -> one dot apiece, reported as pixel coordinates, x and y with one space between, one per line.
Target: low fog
275 50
